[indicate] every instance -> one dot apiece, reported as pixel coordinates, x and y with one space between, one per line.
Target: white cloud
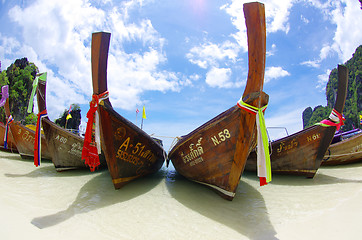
305 20
311 63
57 35
272 51
276 14
348 35
219 77
322 80
210 54
346 15
8 46
324 53
275 72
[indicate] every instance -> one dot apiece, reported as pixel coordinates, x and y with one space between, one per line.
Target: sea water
40 203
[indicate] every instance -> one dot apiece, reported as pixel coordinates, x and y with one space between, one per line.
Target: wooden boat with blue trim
346 148
24 138
301 153
215 153
65 147
129 151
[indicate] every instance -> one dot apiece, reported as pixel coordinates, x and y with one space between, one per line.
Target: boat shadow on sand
246 214
16 157
287 180
49 171
99 193
46 169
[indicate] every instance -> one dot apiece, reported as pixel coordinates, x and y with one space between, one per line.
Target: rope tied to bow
263 157
91 149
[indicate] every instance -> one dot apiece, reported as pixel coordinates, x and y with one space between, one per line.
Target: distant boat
215 153
345 148
301 153
65 147
24 138
129 151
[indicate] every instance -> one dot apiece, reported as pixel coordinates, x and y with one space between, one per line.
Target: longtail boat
6 138
215 153
346 148
129 151
65 147
301 153
24 137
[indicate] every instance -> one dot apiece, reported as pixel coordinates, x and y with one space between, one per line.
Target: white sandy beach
39 203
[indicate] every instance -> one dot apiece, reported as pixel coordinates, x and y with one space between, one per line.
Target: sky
185 61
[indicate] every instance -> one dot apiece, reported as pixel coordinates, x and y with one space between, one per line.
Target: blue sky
186 61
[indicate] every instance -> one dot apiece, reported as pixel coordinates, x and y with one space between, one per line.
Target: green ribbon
42 77
263 143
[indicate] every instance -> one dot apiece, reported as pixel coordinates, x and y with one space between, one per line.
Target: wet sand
40 203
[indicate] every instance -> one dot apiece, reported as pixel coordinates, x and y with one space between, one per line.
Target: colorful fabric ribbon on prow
90 149
8 122
263 157
42 77
335 119
4 96
37 142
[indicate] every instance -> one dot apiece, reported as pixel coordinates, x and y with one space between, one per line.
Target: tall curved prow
24 137
129 151
64 146
338 106
215 153
6 138
302 152
41 96
4 95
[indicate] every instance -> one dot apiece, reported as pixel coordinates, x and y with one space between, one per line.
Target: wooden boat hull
296 154
11 147
130 153
65 147
302 153
24 139
344 152
215 153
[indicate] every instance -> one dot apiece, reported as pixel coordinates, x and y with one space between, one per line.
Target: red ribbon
263 181
37 143
90 151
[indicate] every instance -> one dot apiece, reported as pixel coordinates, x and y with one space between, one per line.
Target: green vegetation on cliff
353 106
19 76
